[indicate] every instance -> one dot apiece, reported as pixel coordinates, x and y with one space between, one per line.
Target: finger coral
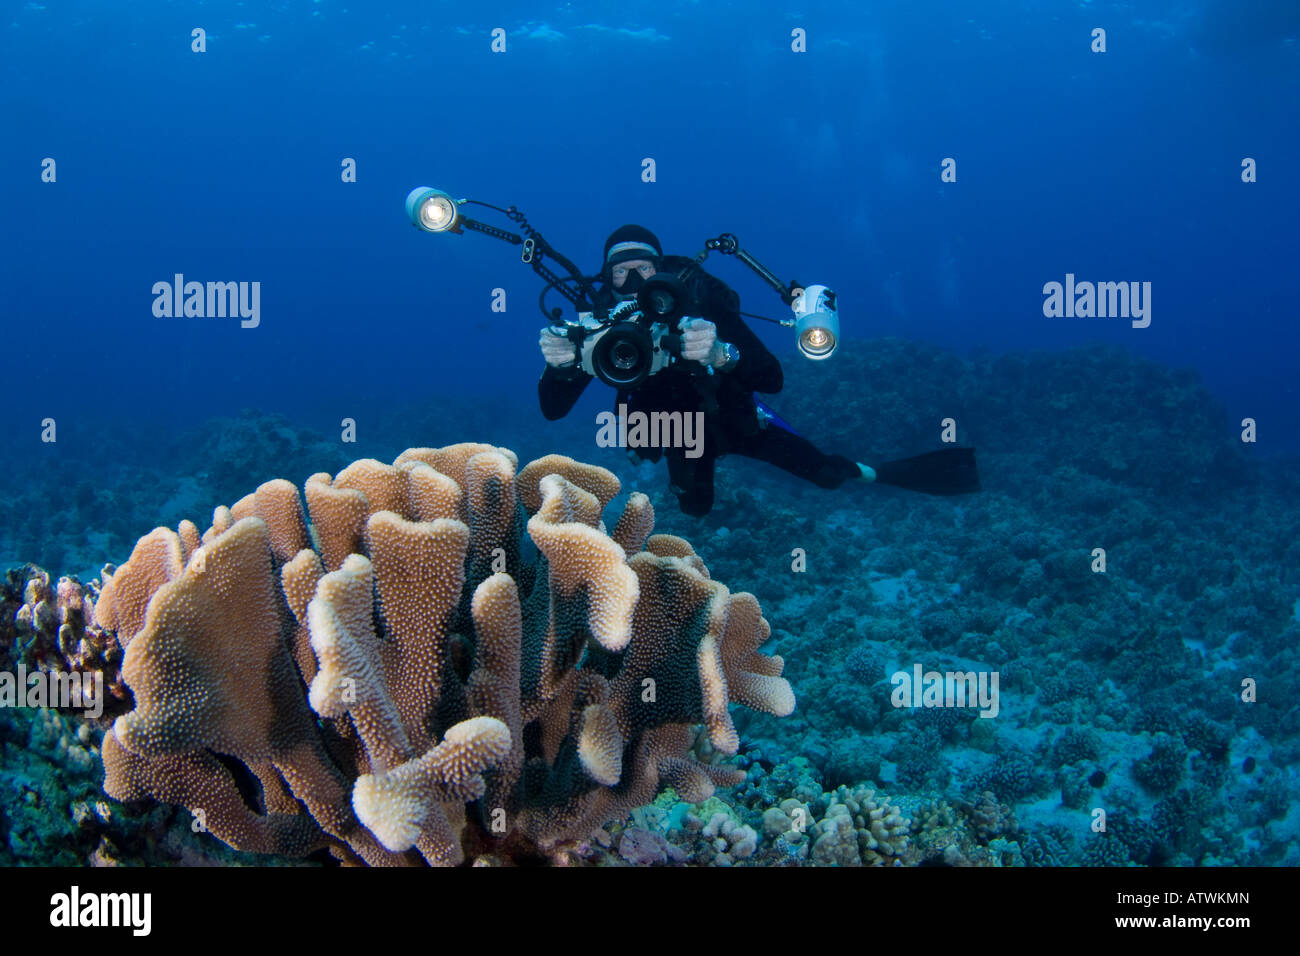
396 676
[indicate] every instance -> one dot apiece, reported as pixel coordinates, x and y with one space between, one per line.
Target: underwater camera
635 340
638 339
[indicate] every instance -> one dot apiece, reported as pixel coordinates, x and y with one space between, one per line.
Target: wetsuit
731 421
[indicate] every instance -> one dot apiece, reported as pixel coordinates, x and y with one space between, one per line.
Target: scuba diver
669 338
717 365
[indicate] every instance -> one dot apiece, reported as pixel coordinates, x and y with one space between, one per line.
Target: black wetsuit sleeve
559 389
758 369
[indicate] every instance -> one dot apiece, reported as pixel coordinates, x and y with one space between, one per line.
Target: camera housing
638 339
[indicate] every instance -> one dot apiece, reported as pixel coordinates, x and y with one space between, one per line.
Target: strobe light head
432 210
816 322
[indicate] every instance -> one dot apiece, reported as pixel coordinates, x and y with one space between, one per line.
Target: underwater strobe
816 319
816 322
432 210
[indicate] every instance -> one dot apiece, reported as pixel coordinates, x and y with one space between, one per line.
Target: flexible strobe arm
535 249
729 245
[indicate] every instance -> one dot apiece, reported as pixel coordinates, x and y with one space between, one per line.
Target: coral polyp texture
396 676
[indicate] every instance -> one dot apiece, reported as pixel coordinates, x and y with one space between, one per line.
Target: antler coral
403 684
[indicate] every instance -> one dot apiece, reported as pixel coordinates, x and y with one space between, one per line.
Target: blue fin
766 416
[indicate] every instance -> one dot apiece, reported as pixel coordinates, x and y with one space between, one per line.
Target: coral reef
54 813
50 629
1162 770
1121 689
48 769
403 681
642 847
859 827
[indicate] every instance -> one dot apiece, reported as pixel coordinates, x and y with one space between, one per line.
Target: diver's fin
949 471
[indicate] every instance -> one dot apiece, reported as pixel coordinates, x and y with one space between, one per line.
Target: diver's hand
699 340
556 349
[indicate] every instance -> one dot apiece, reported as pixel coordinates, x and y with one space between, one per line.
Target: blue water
225 165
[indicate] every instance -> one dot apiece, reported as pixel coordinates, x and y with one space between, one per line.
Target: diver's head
628 277
631 256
